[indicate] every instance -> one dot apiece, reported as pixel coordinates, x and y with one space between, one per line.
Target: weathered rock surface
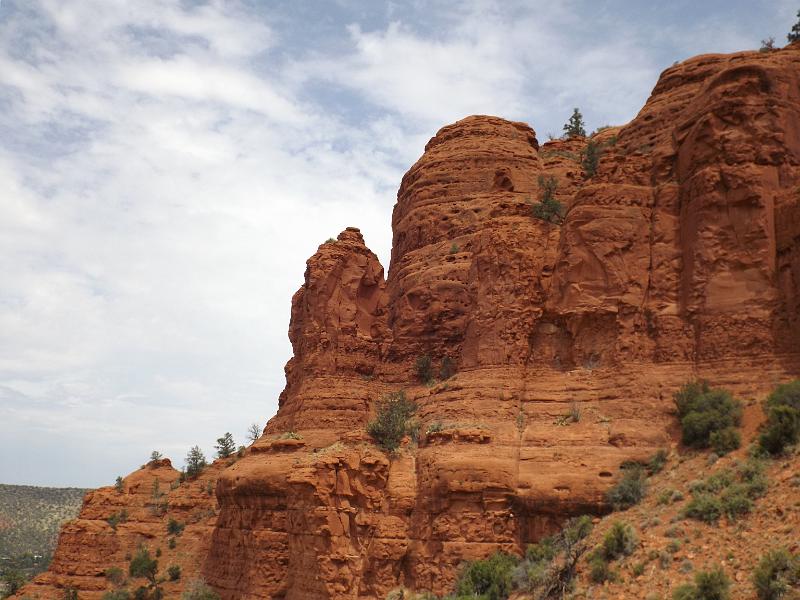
678 258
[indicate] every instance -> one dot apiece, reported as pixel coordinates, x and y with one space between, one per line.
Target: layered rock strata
677 259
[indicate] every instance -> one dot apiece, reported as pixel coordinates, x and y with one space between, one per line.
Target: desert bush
725 440
777 573
115 575
736 501
703 410
143 565
117 518
590 158
704 507
657 461
172 543
117 595
548 208
119 485
630 489
549 566
751 473
708 585
447 369
619 541
199 590
490 579
599 569
423 368
782 428
174 572
392 421
174 527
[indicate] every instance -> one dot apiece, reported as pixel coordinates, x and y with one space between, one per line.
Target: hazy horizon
167 167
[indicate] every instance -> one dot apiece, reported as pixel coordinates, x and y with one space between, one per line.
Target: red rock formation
679 258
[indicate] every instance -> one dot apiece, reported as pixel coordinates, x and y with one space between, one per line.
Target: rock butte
678 259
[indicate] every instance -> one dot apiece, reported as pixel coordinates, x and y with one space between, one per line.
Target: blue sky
167 167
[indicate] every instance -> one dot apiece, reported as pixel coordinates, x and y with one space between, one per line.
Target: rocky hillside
31 516
676 258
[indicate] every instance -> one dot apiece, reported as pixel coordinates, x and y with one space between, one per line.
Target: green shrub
620 540
543 551
777 573
423 368
708 585
392 420
657 461
782 409
725 440
174 527
752 474
704 507
119 485
117 518
736 501
630 489
548 208
590 158
115 575
174 572
198 590
117 595
489 579
143 565
712 585
703 411
599 569
447 369
550 565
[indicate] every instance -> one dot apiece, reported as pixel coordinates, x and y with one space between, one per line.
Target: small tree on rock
195 462
225 446
253 432
794 34
590 158
548 209
575 127
155 455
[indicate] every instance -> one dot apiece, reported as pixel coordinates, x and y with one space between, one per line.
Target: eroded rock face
678 259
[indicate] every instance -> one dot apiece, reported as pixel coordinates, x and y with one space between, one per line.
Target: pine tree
155 455
225 446
575 127
590 158
794 34
195 462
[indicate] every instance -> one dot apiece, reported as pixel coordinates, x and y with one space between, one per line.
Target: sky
168 166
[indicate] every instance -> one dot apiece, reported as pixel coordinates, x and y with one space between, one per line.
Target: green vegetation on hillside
30 518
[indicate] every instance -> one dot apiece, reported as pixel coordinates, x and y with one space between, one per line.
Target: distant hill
30 518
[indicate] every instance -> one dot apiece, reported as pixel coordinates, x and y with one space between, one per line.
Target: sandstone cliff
678 258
